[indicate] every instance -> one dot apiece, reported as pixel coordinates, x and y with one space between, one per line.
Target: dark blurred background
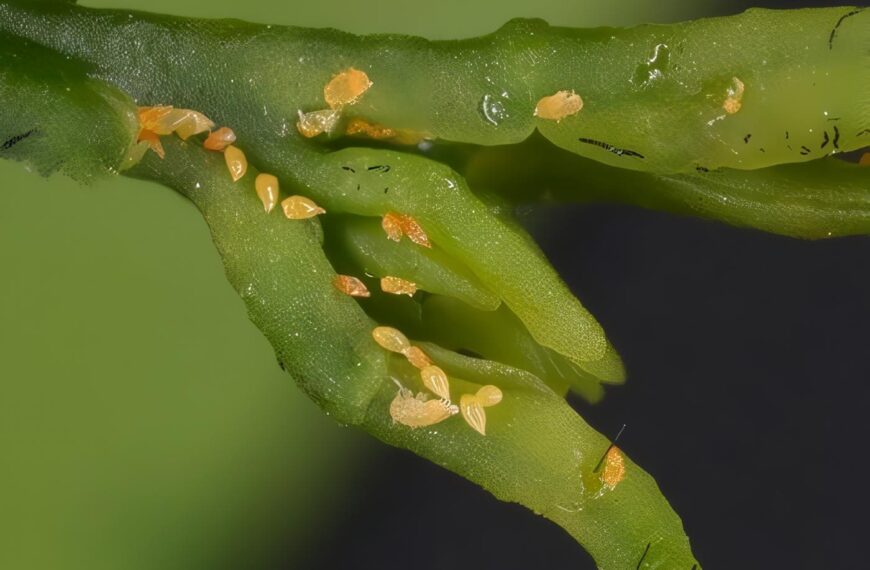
144 424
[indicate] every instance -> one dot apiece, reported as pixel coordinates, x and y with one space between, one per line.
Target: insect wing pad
436 381
473 413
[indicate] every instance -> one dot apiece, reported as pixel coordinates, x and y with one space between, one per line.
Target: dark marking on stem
804 150
702 169
349 169
747 137
386 190
609 447
357 187
825 141
762 149
862 133
469 353
836 140
838 24
12 141
645 552
380 168
610 148
833 118
281 365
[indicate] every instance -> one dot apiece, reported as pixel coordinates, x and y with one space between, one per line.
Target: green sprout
400 159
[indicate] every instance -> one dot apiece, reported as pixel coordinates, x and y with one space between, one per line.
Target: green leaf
820 199
40 101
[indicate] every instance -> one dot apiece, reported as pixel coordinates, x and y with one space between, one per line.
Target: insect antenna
609 447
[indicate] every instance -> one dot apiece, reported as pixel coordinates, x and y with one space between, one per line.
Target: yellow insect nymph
419 411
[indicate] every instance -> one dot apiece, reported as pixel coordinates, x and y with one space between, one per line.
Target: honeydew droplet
493 110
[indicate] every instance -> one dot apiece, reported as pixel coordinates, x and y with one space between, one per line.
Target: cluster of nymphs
395 225
343 90
164 120
350 285
419 410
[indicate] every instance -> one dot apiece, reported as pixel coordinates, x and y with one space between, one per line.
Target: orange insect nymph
558 106
350 285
